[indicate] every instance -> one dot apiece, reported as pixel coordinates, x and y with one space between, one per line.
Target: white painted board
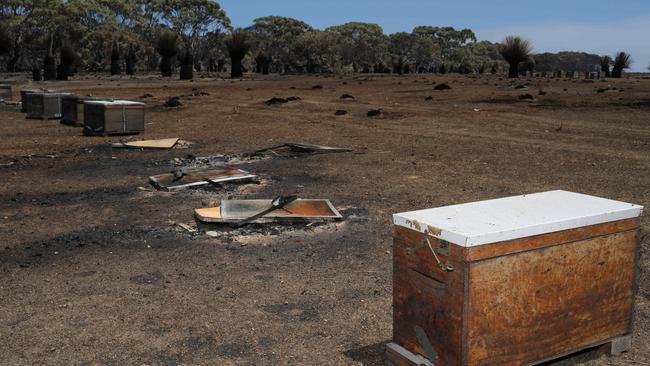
114 102
492 221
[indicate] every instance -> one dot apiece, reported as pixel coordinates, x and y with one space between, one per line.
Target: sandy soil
94 270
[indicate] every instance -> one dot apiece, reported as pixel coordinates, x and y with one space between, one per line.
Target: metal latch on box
443 248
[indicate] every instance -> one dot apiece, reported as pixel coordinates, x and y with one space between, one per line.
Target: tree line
58 38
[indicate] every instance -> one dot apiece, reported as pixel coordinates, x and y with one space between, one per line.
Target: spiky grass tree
605 63
5 40
238 46
262 63
116 68
515 50
622 61
187 65
49 67
37 73
67 58
131 61
167 48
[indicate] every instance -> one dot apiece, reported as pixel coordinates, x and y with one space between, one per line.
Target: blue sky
596 26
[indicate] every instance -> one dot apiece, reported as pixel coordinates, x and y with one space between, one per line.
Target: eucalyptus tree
447 38
277 37
401 47
193 21
362 44
319 51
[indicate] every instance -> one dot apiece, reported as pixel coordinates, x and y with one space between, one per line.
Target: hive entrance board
233 211
186 178
148 144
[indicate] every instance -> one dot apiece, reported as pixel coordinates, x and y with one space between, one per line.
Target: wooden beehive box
117 117
518 280
72 109
5 91
43 105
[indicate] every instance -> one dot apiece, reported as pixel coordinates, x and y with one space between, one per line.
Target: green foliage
277 37
361 44
515 50
446 38
622 61
318 51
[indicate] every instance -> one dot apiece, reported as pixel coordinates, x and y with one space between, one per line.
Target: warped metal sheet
198 177
233 211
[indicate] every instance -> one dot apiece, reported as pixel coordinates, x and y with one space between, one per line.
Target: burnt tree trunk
166 66
513 72
236 70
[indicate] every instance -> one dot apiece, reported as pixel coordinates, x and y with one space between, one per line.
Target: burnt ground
94 270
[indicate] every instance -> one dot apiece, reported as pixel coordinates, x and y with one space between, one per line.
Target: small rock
374 112
541 92
428 98
145 96
347 97
212 234
276 101
340 112
173 102
443 86
315 87
526 97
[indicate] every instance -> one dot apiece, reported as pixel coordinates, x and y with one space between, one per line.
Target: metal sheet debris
148 144
303 148
186 178
300 210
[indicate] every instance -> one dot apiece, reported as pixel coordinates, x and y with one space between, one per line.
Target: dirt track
95 272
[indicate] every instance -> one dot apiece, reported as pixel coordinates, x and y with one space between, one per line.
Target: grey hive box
43 105
23 98
5 90
72 109
115 117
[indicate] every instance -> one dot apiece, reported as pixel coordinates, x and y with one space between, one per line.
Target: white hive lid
114 102
492 221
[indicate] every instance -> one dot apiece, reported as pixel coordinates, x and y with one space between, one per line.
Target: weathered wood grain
549 301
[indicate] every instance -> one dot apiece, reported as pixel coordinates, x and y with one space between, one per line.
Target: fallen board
148 144
233 211
199 177
304 148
